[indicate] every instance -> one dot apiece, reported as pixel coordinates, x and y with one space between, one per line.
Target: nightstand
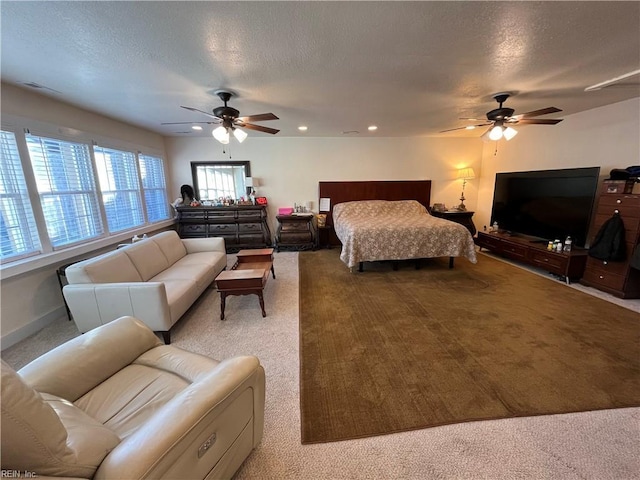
295 232
463 218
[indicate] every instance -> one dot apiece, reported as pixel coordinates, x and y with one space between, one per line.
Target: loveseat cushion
147 257
112 267
171 245
51 437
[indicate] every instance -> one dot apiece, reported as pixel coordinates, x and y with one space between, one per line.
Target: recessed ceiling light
470 127
303 128
372 128
196 127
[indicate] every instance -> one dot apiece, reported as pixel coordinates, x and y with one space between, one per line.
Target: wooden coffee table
247 277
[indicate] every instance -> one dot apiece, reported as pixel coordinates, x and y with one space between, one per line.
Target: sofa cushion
202 273
112 267
49 437
171 245
147 257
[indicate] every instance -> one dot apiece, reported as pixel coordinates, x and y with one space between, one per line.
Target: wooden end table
247 277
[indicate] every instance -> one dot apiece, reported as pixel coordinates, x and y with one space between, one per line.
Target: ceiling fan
230 120
502 118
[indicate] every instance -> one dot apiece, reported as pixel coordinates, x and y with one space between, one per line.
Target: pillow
51 437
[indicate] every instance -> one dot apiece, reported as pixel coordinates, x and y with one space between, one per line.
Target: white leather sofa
155 280
115 403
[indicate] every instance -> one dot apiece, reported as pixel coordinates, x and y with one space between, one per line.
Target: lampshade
248 181
221 134
496 132
239 134
509 133
466 173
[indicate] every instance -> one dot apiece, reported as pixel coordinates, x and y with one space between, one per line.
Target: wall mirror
215 180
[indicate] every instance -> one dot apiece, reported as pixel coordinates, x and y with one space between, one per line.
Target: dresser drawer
619 200
511 250
250 227
604 279
222 229
552 263
251 239
489 242
194 229
616 268
631 225
295 226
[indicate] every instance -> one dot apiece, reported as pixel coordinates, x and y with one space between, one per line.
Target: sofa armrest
229 402
211 244
95 304
77 366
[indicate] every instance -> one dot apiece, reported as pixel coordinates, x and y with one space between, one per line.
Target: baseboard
23 332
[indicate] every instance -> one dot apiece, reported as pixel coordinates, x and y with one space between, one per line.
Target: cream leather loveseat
155 280
115 403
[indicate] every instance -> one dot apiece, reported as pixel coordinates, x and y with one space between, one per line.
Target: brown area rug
386 351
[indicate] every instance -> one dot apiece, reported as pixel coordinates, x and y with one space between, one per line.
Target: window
66 185
212 180
119 184
154 187
18 231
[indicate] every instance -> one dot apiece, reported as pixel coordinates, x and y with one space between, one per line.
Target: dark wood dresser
616 278
569 265
295 232
241 226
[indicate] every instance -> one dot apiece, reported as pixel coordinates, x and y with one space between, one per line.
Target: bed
374 230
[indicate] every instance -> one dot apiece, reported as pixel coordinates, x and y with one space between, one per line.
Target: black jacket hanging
609 242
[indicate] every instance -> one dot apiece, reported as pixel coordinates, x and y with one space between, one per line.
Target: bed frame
338 192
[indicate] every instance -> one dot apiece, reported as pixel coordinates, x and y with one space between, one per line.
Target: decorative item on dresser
526 249
295 232
241 226
616 277
461 217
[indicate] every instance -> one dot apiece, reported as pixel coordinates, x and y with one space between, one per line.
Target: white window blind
154 187
18 231
120 187
65 182
216 181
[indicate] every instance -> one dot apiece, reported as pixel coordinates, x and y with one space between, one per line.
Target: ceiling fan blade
261 117
259 128
464 128
199 111
187 123
539 121
535 113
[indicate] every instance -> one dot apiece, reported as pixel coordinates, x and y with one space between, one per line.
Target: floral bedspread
383 230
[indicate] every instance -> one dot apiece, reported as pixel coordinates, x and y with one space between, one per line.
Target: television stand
530 250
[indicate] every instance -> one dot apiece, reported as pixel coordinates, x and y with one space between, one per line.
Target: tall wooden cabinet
241 226
616 278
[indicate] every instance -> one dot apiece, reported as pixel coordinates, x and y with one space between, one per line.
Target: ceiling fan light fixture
509 133
496 133
221 134
240 135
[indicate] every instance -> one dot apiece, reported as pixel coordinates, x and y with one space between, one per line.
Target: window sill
43 260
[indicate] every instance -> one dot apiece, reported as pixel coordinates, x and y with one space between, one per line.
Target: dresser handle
601 277
618 201
616 211
605 262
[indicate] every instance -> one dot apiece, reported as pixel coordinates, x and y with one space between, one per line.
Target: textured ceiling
411 68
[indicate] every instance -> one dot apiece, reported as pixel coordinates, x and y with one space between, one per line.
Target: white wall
606 137
289 169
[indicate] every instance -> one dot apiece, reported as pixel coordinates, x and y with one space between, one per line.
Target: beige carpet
385 351
594 445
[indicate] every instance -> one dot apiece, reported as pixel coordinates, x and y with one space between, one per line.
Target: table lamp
465 174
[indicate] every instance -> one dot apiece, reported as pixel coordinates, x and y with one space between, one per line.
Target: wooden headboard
338 192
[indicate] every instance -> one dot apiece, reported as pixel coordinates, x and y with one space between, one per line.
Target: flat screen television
546 204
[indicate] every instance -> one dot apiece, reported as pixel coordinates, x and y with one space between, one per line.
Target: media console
529 250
